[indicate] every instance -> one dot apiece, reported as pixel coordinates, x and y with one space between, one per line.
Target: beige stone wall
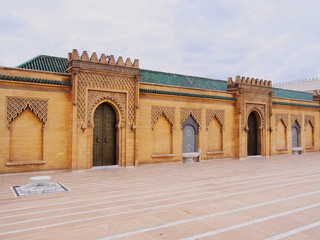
24 145
50 126
150 108
282 120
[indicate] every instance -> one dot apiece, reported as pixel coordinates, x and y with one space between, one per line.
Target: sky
276 40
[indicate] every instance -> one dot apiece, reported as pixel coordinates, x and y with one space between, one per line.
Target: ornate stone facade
298 118
94 97
311 119
218 114
186 112
167 112
101 81
15 106
283 117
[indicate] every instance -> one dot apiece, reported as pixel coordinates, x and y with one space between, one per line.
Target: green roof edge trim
295 104
186 94
35 80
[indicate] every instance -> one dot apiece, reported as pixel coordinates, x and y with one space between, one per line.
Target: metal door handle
98 140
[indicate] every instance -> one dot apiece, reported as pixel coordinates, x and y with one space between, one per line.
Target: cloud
276 40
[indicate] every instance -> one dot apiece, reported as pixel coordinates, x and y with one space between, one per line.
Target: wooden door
104 136
252 138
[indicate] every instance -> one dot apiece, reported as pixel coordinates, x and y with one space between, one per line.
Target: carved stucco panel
15 106
283 117
167 112
257 107
218 114
309 118
94 97
102 81
259 102
297 118
194 112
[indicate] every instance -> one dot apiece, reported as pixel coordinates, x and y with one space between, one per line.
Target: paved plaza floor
258 198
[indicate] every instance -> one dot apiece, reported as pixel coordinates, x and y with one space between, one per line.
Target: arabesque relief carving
218 114
259 102
309 118
297 118
15 106
102 81
167 112
94 97
283 117
194 112
257 107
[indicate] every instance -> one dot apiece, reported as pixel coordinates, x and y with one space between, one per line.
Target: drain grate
32 189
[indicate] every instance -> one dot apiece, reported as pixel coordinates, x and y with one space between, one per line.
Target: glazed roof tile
290 94
179 80
46 63
59 65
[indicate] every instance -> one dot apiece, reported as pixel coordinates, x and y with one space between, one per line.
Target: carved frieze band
194 112
259 102
311 119
297 118
15 106
283 117
102 81
167 112
94 97
218 114
257 107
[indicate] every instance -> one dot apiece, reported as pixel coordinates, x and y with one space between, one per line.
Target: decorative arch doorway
189 136
253 136
295 134
104 136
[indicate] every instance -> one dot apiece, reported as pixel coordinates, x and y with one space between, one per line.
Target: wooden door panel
252 141
104 136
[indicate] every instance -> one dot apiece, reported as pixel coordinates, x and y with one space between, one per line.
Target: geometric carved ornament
283 117
167 112
103 81
186 112
259 108
15 106
311 119
254 101
94 97
297 118
218 114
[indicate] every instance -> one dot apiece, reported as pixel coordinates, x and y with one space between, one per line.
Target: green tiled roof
59 65
290 94
182 80
46 63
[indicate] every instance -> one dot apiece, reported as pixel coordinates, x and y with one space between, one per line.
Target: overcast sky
277 40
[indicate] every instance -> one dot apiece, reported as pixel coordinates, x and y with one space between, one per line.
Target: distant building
307 85
80 112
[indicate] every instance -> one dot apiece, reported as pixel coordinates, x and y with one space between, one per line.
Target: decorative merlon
74 55
250 81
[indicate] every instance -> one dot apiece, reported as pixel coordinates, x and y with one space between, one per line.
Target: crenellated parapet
250 81
249 84
104 63
74 55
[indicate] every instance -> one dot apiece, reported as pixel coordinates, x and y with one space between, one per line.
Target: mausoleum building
80 112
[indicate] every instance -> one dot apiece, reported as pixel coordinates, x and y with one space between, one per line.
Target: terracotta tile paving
260 198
